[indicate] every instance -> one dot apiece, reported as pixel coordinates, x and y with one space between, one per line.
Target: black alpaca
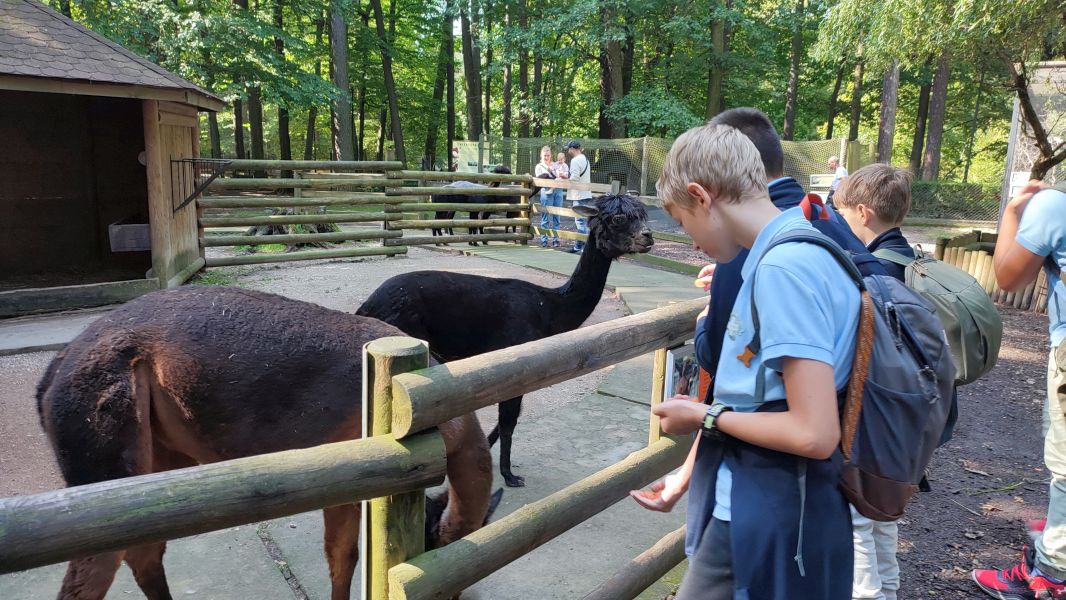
472 197
463 315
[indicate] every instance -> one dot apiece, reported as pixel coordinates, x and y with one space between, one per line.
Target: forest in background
931 82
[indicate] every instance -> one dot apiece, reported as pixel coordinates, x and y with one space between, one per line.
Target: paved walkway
283 559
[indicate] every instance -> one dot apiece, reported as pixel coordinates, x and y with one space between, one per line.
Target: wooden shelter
99 151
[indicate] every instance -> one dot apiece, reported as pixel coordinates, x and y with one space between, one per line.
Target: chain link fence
637 163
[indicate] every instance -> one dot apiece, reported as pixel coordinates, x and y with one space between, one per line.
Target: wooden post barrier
443 573
426 398
80 521
400 223
644 570
450 191
450 176
272 257
311 201
451 206
229 183
310 165
395 525
296 238
658 392
457 239
355 217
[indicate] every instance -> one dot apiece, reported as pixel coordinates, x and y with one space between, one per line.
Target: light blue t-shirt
1042 231
808 308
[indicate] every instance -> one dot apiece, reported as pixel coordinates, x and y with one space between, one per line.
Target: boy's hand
662 495
680 416
704 278
1021 199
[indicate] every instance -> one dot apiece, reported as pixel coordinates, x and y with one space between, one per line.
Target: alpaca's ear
586 211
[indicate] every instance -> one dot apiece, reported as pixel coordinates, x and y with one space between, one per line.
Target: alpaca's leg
509 411
146 562
494 435
342 547
89 578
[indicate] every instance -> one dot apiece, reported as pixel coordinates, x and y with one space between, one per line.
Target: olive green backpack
971 321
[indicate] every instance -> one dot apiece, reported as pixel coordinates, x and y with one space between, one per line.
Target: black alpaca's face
618 224
437 505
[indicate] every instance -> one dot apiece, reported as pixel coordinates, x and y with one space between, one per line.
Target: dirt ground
26 462
986 482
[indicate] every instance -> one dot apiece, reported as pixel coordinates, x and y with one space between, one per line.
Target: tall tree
856 102
471 72
312 111
937 114
238 128
390 83
921 119
214 134
449 42
505 124
973 124
429 154
523 76
364 59
716 66
834 96
789 129
1051 153
487 15
341 122
284 139
886 130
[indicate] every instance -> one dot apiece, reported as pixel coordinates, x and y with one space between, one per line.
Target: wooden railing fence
402 456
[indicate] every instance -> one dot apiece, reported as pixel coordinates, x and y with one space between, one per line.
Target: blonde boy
781 528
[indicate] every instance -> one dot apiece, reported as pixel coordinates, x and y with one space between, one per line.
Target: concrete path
44 332
283 558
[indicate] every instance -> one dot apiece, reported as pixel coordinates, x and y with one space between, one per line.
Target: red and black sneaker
1018 582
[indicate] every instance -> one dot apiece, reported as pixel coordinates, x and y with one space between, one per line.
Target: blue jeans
550 197
580 224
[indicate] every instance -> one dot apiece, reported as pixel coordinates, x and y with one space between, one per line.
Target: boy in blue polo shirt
781 529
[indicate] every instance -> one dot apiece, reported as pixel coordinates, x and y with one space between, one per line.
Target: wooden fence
402 457
972 252
379 202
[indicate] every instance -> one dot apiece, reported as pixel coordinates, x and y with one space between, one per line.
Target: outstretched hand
680 415
703 279
662 495
1020 200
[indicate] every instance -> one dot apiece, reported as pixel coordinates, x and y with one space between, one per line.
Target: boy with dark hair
780 527
874 200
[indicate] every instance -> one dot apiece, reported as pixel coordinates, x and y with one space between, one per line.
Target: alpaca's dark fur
203 374
464 315
474 198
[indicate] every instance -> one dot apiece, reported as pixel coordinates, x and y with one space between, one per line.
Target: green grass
214 277
262 248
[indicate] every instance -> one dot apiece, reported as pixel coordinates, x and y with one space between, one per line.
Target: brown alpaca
204 374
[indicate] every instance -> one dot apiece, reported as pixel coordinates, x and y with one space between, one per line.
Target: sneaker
1018 583
543 242
575 250
555 243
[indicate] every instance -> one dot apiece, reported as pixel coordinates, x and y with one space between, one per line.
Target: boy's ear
699 194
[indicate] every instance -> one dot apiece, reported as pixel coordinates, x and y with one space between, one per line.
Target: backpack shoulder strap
893 257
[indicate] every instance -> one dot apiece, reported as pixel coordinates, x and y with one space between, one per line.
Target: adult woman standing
548 197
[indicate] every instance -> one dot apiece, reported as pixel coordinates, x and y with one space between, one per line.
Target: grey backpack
899 396
970 318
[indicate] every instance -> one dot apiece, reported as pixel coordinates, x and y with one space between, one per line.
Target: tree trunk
973 125
788 132
213 133
615 61
505 124
64 7
1051 154
360 133
312 113
918 144
523 78
833 98
472 74
488 68
238 129
255 121
886 130
937 113
449 42
716 72
627 62
341 126
284 139
383 115
390 82
856 102
429 154
538 88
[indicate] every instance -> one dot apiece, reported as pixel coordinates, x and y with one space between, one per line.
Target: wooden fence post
658 393
644 167
393 526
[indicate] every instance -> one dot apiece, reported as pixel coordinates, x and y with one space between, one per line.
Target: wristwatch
710 421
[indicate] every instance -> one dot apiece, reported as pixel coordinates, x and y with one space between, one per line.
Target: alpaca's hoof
514 481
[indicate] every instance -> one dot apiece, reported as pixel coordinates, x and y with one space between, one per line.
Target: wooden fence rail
397 222
229 183
272 257
425 398
355 217
302 201
80 521
451 191
443 573
644 570
298 238
313 165
453 176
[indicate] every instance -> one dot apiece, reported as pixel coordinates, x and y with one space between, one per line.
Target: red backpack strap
810 200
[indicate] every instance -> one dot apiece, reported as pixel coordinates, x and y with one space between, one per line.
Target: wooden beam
427 398
450 191
349 166
445 572
160 205
555 210
368 199
560 233
112 90
396 524
272 257
234 183
457 239
354 217
456 206
166 118
112 515
450 176
566 184
640 573
677 238
468 223
297 238
190 270
38 300
659 370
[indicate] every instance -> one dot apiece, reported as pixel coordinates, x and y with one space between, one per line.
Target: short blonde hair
883 188
718 157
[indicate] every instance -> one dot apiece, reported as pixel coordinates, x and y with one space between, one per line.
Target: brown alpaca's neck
578 297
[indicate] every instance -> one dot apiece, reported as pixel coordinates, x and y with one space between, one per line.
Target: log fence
390 469
972 252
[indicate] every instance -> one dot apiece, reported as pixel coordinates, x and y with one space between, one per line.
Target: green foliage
937 200
654 113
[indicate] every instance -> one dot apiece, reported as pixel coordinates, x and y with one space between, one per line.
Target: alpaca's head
618 224
438 531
